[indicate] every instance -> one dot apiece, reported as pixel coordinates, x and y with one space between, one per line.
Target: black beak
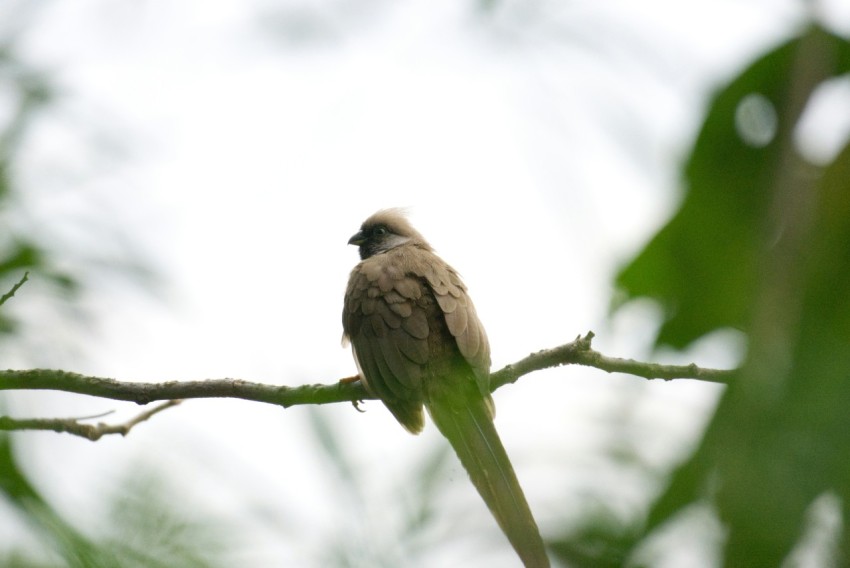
357 239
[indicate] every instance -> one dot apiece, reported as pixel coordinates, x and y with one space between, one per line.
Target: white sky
535 146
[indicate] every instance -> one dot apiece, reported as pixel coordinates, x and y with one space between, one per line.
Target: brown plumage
417 341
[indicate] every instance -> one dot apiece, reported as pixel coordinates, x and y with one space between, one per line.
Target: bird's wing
388 330
389 300
461 319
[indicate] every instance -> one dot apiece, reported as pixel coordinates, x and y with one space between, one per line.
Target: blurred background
181 179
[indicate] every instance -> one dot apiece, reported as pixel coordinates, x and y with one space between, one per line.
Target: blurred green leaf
147 530
348 476
601 540
762 243
76 550
144 529
429 481
703 267
14 484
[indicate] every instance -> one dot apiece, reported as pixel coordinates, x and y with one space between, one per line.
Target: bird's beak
357 239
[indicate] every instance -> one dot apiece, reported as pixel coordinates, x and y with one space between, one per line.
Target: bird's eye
379 231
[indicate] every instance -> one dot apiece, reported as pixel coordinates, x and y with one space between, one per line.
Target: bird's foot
349 380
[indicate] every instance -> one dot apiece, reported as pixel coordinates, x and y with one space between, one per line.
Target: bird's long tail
471 432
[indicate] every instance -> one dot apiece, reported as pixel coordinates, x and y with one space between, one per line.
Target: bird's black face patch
376 239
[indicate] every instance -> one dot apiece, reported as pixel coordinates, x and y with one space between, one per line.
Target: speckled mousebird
417 341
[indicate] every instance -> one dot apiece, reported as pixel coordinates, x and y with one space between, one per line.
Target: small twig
14 289
579 352
75 427
95 416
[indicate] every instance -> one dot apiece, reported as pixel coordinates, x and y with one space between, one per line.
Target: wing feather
387 303
388 331
459 312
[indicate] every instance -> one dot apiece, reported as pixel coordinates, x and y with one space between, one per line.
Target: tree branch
77 427
5 297
577 352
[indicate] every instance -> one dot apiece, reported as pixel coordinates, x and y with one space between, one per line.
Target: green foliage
703 267
602 540
19 492
762 243
367 535
21 249
144 529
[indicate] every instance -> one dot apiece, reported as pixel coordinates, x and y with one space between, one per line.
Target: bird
418 343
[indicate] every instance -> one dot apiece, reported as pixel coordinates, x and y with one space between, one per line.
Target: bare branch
14 289
577 352
143 393
76 427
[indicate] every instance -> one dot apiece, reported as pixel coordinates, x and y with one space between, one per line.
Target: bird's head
386 230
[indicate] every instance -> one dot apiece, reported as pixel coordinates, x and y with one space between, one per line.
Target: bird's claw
350 380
